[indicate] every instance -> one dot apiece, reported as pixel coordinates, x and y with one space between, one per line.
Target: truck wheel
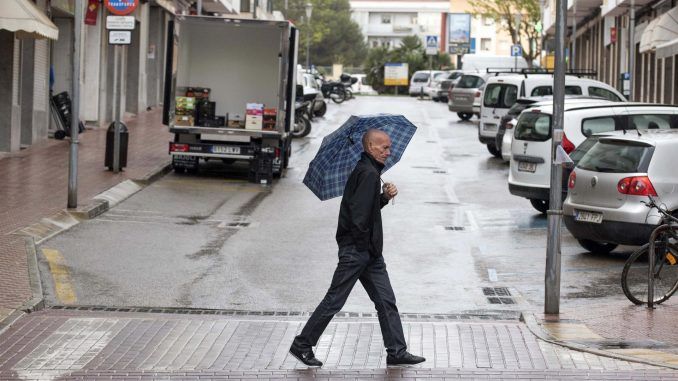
541 205
597 247
496 152
59 134
322 110
464 115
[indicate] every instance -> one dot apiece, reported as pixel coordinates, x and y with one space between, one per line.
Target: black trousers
371 271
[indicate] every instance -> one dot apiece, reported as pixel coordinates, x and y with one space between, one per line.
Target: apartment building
599 39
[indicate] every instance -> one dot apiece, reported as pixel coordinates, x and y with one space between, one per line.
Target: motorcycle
348 82
334 91
302 122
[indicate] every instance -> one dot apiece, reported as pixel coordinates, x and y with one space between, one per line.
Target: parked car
502 91
505 132
420 80
604 207
464 93
362 87
442 84
482 62
530 168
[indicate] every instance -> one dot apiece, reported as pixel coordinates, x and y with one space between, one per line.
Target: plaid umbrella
340 151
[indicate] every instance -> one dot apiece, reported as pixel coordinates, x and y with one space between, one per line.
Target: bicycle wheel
635 274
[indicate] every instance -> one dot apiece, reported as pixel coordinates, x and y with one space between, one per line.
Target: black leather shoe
305 356
406 359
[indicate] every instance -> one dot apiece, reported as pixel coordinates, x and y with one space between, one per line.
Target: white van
422 79
482 62
502 91
530 171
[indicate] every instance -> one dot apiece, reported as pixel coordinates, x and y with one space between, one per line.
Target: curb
541 333
64 220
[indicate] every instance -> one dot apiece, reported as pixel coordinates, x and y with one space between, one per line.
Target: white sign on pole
120 22
119 37
395 74
431 45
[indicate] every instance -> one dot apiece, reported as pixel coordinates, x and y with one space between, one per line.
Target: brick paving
53 344
34 184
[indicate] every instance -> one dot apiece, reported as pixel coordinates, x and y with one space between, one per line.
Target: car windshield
455 75
583 148
616 156
533 126
439 76
420 77
500 95
469 82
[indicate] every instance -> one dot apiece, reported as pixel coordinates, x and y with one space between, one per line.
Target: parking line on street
62 278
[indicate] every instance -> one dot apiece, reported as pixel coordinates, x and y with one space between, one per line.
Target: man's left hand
390 190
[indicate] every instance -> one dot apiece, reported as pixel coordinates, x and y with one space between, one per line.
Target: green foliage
410 51
504 12
334 37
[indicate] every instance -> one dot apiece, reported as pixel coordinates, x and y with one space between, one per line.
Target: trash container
261 167
110 138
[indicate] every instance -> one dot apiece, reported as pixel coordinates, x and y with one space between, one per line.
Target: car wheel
464 115
496 152
541 205
597 247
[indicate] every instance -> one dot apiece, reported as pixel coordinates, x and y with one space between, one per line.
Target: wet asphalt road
216 241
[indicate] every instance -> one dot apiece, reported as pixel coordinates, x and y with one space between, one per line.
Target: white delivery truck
230 86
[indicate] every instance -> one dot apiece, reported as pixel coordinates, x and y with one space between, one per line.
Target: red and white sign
121 7
613 35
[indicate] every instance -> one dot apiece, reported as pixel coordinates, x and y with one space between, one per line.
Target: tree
335 38
504 12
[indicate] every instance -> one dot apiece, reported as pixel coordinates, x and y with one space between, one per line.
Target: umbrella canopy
340 151
24 17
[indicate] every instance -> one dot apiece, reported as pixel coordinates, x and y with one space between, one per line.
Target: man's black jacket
360 212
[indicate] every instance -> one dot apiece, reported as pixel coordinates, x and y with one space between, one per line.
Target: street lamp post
309 10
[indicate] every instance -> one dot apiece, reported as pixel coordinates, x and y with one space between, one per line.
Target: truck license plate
489 127
524 166
585 216
226 150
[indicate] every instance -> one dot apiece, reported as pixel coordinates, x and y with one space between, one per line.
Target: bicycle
662 248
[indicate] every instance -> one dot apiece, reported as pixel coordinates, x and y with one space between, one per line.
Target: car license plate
461 99
585 216
226 150
489 127
524 166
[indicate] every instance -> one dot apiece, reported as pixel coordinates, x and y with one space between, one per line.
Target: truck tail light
277 153
636 186
572 180
176 147
568 146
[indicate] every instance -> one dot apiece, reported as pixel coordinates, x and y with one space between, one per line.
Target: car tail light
572 180
636 186
478 93
568 146
174 147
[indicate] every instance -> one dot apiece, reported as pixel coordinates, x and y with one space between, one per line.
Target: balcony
392 30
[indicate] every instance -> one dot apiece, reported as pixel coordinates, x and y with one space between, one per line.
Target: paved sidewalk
59 344
34 185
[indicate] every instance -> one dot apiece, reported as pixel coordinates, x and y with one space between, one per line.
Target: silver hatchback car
604 207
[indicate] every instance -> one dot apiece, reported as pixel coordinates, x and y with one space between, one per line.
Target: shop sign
395 74
120 22
121 7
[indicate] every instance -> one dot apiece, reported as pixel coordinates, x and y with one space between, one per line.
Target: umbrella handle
383 182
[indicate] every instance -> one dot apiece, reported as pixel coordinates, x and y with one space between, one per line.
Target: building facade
600 38
33 69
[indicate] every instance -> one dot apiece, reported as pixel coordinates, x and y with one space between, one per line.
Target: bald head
377 144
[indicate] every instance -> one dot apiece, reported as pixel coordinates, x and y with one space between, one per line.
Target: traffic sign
516 50
431 45
119 37
120 22
121 7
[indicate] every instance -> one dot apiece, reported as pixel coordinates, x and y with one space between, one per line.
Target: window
420 77
375 43
469 82
486 44
487 21
603 93
385 19
541 91
616 156
597 125
500 95
650 122
533 126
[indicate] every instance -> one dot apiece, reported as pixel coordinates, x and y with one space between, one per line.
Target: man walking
360 241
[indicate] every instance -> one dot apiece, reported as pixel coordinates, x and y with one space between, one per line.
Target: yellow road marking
62 278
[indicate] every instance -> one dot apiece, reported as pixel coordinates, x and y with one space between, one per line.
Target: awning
646 40
24 18
666 32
